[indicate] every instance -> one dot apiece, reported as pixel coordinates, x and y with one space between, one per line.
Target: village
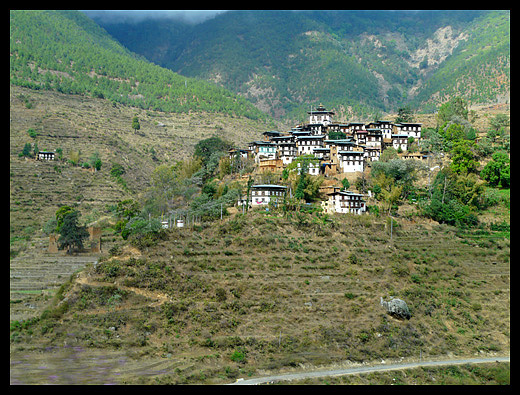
359 144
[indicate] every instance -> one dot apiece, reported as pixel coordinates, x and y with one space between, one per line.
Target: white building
320 115
410 129
400 141
263 150
351 161
344 202
286 148
306 144
261 195
46 155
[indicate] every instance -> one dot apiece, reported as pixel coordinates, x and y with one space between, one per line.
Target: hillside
359 62
249 293
73 122
65 51
263 293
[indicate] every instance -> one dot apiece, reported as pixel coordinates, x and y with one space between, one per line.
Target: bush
238 356
221 294
353 259
143 232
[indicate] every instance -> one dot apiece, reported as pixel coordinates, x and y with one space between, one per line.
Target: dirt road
364 369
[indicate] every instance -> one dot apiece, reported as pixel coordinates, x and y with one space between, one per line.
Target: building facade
262 195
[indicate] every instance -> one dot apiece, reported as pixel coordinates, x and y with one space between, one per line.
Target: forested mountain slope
359 62
67 52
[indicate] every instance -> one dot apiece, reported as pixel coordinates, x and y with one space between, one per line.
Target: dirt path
158 297
364 369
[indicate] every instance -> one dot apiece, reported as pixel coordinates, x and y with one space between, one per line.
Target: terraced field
259 294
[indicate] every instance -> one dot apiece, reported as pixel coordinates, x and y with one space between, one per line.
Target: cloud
114 16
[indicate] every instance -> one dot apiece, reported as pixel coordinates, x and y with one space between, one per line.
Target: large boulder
397 308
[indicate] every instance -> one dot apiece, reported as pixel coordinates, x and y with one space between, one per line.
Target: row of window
353 204
343 197
267 193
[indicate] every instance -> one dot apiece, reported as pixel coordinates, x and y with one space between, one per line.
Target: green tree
404 114
463 160
454 198
95 161
455 107
497 171
71 234
346 184
60 215
205 148
499 121
27 150
135 124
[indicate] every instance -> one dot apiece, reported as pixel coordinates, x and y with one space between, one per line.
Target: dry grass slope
261 293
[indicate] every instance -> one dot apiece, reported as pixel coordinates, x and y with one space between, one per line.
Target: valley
268 272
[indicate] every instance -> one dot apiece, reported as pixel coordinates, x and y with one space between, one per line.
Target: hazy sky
191 16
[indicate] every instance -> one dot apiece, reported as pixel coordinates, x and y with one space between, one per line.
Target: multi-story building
320 116
344 202
306 144
263 194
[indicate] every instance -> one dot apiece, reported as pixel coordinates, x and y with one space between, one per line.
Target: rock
396 307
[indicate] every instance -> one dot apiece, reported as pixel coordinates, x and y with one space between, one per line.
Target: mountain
358 62
67 52
75 89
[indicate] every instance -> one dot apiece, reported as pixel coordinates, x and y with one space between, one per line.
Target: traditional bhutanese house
263 194
286 148
374 138
299 133
306 144
385 126
339 145
344 144
338 127
360 136
354 126
344 202
410 129
314 128
400 141
343 127
333 127
270 165
351 161
320 115
321 152
372 153
46 155
263 150
270 134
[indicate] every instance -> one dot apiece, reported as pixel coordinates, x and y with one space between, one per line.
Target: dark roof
347 193
318 136
266 186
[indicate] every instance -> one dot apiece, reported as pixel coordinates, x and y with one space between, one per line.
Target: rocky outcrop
397 308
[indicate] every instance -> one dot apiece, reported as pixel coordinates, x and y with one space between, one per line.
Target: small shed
46 155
